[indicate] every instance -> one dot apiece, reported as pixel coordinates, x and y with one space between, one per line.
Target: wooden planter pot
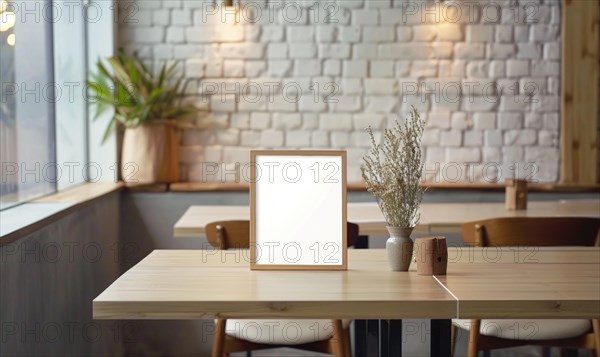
150 154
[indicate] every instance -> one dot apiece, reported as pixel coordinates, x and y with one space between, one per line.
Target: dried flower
395 181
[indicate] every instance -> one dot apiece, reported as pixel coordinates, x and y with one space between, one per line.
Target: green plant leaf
135 94
109 129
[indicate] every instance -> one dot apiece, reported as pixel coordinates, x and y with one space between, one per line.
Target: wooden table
525 282
482 283
436 218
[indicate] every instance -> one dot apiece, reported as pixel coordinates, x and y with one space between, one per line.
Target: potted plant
392 173
148 107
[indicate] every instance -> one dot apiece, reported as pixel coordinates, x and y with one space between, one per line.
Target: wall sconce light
230 8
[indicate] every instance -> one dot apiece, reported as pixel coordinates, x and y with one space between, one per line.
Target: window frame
100 158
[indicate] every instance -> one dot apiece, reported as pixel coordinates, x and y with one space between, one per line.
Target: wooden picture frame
298 200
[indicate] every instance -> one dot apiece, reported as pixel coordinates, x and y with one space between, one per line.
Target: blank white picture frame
298 210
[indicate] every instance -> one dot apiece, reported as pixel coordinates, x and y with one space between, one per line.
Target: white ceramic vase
399 248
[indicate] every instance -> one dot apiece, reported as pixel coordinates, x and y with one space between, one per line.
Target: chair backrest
533 231
236 234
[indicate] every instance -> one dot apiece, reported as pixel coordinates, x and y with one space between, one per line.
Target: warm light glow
230 14
7 21
11 39
3 5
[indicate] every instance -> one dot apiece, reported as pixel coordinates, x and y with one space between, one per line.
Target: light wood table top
206 284
435 217
525 282
525 290
195 284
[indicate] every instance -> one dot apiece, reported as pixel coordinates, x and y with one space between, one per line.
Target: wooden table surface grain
525 290
436 218
196 284
207 284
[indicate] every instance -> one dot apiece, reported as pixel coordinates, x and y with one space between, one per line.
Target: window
42 100
71 109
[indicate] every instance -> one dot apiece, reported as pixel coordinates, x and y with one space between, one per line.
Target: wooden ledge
230 187
209 187
81 193
360 187
157 187
531 187
73 199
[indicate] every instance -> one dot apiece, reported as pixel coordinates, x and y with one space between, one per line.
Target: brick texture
310 74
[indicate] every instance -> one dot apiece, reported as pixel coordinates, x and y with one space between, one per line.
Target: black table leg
390 338
360 337
395 338
384 338
378 338
362 242
372 338
360 326
440 338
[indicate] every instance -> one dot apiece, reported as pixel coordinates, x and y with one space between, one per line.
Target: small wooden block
431 255
516 195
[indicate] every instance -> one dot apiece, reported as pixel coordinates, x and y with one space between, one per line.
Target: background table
482 283
436 218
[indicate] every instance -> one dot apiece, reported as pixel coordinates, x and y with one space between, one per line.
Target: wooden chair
485 335
330 336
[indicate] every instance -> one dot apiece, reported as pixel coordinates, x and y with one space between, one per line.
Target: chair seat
530 329
281 332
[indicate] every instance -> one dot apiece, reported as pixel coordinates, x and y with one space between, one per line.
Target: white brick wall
487 82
